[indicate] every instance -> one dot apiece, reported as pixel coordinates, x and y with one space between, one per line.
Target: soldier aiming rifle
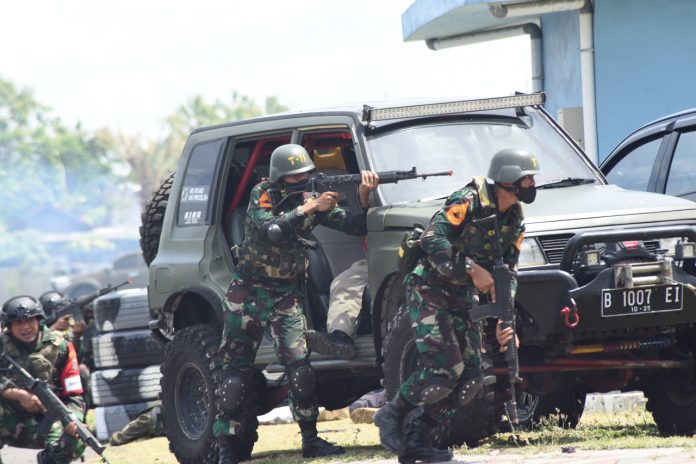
345 185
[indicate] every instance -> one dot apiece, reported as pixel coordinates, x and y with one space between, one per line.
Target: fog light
590 258
685 250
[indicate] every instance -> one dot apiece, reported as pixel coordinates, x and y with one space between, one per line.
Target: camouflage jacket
285 262
51 359
452 230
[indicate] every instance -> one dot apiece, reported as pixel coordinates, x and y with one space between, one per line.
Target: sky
126 65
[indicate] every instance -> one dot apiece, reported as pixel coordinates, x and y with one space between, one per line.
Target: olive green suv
606 276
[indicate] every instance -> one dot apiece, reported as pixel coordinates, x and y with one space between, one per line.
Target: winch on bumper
626 295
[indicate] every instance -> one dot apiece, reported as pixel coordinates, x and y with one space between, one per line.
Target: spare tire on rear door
152 218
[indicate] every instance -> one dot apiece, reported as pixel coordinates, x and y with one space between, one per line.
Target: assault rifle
75 306
55 409
346 185
504 309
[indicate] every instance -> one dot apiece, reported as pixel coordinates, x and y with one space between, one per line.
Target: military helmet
50 301
21 307
289 159
512 164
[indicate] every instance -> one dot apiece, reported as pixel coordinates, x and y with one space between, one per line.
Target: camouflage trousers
251 309
147 424
25 430
345 298
448 342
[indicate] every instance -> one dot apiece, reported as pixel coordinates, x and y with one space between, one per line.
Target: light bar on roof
465 106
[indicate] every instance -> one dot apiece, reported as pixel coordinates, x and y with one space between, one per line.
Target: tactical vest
476 242
42 362
267 262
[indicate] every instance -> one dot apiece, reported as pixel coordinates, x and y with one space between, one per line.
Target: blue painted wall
561 54
645 64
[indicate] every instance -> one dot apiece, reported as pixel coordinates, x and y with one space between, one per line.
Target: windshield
466 147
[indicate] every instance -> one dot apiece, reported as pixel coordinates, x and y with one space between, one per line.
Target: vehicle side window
195 204
634 169
682 171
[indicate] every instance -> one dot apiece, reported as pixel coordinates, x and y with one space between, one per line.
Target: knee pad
435 389
301 378
232 392
471 383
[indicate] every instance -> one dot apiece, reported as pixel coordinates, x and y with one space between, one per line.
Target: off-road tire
122 386
152 218
469 424
672 402
130 348
123 310
188 393
565 405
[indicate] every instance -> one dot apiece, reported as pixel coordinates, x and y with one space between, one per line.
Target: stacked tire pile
126 381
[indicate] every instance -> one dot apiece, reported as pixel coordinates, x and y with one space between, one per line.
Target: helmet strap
511 189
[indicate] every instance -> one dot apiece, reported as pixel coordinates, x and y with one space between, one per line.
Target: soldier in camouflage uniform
50 302
50 358
440 290
147 424
80 333
266 292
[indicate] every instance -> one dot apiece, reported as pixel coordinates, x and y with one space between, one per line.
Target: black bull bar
545 293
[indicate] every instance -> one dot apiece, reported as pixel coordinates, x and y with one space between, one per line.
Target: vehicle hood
564 209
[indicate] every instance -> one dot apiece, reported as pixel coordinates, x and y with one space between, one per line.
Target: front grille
553 246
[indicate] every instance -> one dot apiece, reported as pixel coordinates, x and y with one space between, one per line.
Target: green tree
43 161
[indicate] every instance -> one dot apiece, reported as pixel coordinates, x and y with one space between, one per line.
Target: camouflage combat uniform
147 424
266 291
447 340
53 360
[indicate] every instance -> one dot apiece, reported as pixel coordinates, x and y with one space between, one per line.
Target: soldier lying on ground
49 357
147 424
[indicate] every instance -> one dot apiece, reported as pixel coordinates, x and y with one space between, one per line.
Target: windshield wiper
567 182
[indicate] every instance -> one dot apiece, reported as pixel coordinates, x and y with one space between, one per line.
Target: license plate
641 300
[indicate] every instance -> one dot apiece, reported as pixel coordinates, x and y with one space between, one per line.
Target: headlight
531 254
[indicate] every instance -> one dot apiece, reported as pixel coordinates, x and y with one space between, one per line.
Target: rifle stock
75 307
55 407
503 308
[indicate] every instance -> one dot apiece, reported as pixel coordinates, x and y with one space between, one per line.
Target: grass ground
281 443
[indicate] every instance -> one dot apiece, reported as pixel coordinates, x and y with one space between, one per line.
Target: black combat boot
389 418
418 445
44 458
228 453
336 343
312 445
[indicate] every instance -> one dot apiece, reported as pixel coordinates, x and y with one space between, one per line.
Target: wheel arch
195 306
383 310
